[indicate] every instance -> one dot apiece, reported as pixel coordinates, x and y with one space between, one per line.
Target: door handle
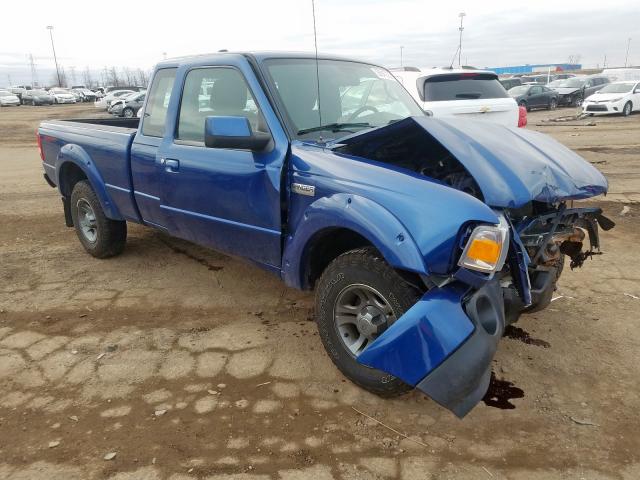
171 166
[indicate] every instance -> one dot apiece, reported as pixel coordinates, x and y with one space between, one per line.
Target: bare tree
87 78
112 77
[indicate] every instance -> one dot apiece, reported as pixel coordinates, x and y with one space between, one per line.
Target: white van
466 93
622 74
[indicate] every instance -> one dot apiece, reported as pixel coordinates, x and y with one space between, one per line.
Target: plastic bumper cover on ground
444 344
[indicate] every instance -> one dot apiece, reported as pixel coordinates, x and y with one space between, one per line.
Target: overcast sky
136 34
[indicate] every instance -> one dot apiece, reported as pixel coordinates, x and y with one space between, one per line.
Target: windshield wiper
333 127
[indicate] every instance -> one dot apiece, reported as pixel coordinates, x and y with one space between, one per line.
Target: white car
60 95
617 97
462 93
8 98
105 102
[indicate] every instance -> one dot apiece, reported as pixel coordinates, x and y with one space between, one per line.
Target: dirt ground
187 364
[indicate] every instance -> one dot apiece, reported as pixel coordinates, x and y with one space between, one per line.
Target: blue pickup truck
422 238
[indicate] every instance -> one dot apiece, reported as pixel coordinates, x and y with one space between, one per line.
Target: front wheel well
327 245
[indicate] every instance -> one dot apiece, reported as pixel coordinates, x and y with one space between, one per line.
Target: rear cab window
463 86
155 112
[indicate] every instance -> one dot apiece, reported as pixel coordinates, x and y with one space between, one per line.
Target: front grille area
596 108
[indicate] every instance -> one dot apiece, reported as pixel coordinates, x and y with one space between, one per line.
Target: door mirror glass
233 133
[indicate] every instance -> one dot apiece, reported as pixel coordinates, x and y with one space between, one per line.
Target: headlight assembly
486 248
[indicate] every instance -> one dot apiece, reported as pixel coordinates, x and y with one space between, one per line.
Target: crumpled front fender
444 344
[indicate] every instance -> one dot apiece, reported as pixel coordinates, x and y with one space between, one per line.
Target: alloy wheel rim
360 315
87 220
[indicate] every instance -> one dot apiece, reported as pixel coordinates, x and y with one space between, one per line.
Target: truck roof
257 55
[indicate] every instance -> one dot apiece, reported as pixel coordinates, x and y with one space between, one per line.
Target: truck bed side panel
103 149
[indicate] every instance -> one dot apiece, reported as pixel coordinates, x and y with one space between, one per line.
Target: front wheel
358 297
128 112
626 111
553 104
577 101
100 236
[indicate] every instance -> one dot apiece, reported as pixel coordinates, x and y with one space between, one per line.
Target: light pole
461 15
626 58
401 48
55 59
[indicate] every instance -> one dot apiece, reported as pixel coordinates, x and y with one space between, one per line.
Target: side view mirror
233 133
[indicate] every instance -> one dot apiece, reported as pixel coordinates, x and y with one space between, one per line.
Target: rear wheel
626 111
100 236
358 297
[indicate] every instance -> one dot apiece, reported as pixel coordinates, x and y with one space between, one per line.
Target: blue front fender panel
444 344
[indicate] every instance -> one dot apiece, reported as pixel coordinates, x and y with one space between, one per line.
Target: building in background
542 68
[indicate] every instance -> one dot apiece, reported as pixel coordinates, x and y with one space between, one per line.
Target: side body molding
356 213
71 153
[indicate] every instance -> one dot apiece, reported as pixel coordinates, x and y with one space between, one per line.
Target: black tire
553 104
626 110
33 103
128 113
357 268
107 237
577 101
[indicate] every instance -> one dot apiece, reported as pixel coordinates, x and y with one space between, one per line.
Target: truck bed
103 144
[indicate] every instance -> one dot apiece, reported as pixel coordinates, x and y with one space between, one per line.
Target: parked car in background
86 95
128 106
36 97
618 97
105 102
135 88
8 99
62 95
622 74
534 96
17 90
508 83
573 91
77 95
563 76
475 94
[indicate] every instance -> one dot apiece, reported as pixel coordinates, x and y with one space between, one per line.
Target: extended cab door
145 157
227 199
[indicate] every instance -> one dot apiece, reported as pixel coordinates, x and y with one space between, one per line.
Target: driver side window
216 91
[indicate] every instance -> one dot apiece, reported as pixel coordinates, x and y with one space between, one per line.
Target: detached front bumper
444 344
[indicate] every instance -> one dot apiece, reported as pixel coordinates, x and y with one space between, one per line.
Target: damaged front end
445 343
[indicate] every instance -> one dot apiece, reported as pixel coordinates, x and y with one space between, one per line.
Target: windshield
617 88
462 86
358 94
570 83
55 90
519 90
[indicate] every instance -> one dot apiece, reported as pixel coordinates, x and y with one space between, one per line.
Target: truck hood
512 166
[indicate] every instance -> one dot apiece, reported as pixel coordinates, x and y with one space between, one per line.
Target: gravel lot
187 364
